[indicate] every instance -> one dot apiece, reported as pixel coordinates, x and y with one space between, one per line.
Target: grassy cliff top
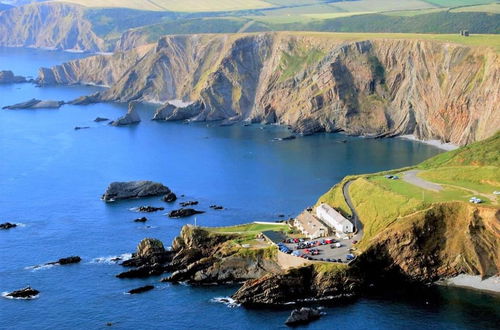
469 171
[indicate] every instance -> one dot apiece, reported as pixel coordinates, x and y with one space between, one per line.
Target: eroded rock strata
312 82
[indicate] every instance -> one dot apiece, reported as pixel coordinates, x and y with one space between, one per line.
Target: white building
310 226
334 219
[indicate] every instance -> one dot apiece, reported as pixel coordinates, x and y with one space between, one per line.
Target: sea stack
132 117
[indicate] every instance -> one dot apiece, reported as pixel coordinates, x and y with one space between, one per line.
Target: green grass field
249 228
457 3
484 179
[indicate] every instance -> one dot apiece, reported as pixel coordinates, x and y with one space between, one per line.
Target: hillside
123 25
407 239
376 85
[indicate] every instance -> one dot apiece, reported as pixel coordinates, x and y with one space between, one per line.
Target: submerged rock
81 127
216 207
133 189
182 213
7 225
149 209
169 198
25 293
99 119
143 219
141 289
131 117
35 104
302 316
8 77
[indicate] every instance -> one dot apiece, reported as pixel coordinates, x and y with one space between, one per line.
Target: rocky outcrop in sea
25 293
133 189
35 104
131 117
8 77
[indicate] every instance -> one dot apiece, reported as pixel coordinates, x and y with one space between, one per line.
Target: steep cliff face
48 25
447 240
318 82
102 70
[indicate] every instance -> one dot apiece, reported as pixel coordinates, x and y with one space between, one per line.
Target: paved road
358 225
411 177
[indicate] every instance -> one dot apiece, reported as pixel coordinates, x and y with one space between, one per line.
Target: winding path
358 225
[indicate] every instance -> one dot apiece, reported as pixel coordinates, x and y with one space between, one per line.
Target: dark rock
7 225
99 119
26 293
69 260
182 213
141 289
189 203
150 258
170 197
143 271
133 189
281 215
8 77
149 209
143 219
216 207
303 315
81 127
131 117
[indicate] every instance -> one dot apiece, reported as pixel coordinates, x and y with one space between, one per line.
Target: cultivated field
175 5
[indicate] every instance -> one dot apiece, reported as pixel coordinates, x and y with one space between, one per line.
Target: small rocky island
25 293
134 189
35 104
7 225
8 77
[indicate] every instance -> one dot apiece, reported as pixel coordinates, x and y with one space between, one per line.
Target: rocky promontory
35 104
133 189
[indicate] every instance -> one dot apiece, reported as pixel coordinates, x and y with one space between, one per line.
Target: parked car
350 257
354 242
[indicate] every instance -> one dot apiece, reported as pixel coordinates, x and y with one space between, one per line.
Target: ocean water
52 177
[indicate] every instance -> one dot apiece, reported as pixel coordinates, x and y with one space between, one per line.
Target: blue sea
52 177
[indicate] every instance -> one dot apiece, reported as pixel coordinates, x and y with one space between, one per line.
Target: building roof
334 215
310 223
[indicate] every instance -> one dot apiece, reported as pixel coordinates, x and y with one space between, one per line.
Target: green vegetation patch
484 153
424 196
335 198
379 207
485 179
291 64
249 228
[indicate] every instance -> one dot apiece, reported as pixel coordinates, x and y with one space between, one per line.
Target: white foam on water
110 260
39 267
5 295
228 301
